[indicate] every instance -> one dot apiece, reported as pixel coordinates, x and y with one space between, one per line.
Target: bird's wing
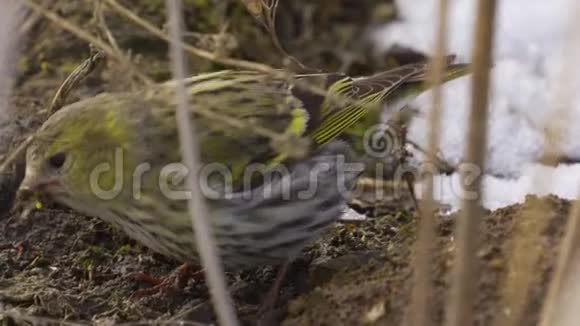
348 99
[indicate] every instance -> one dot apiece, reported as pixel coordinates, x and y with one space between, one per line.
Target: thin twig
203 232
32 19
72 81
562 100
68 26
193 50
102 22
465 272
403 158
555 305
264 11
420 311
16 154
441 164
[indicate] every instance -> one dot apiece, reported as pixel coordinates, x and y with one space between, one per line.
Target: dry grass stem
264 11
79 74
17 153
554 305
419 312
465 271
206 242
99 16
565 277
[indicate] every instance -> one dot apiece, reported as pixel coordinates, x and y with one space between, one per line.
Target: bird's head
75 143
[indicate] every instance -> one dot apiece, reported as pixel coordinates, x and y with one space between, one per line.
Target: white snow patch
529 38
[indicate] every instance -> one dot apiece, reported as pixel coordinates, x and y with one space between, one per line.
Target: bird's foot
168 285
270 300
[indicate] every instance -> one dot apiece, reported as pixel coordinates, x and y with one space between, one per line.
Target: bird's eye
57 160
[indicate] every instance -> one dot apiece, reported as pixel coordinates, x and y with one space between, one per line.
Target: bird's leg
403 154
270 299
170 283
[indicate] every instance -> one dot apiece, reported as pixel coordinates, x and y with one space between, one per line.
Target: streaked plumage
242 119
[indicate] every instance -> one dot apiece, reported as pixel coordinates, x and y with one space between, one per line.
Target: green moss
87 264
44 66
124 250
91 257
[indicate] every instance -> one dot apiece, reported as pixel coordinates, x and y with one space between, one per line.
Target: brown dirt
378 292
60 265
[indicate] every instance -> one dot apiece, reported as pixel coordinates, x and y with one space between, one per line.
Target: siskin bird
273 167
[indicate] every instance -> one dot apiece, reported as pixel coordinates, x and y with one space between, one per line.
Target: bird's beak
33 183
30 184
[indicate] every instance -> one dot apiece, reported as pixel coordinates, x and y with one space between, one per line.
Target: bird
273 168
